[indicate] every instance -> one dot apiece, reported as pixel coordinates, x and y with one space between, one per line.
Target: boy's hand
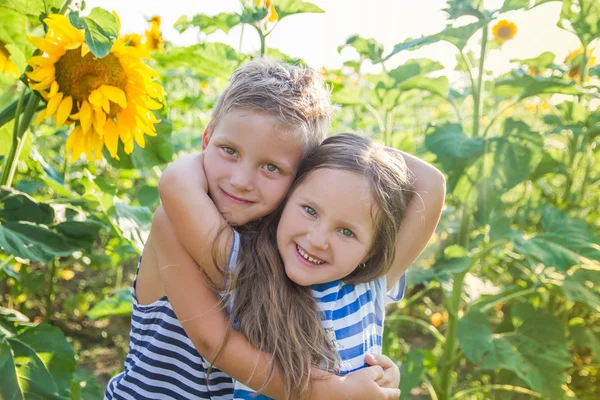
391 372
363 384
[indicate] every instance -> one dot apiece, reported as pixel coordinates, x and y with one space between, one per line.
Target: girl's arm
201 315
184 195
422 215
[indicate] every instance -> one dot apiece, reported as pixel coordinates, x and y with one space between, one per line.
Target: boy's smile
250 162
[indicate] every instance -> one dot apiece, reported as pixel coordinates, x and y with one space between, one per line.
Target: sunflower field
505 301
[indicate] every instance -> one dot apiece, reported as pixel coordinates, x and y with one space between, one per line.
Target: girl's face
326 229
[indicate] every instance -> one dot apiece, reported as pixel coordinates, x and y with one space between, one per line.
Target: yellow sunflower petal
111 137
46 46
273 16
115 95
53 104
53 89
99 121
64 110
74 144
85 116
84 50
40 118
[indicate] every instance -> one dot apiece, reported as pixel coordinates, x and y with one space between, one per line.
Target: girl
343 211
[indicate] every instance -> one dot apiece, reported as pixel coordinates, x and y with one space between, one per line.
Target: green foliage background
504 303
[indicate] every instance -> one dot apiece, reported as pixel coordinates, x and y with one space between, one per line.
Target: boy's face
250 164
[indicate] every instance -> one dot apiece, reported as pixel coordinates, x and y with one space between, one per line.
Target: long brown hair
282 318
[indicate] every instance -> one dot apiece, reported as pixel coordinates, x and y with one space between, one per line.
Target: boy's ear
205 139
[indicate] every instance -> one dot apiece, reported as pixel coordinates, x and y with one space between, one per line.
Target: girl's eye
347 232
310 211
271 168
229 150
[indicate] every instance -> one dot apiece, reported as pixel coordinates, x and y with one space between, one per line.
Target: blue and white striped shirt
353 316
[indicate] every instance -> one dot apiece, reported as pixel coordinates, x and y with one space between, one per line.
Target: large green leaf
548 248
120 303
207 60
438 86
541 62
510 5
454 260
101 30
583 286
517 154
414 68
158 150
33 242
367 48
13 32
581 17
51 347
521 86
458 36
17 206
290 7
461 8
80 234
34 379
209 24
453 149
536 351
9 389
84 386
31 8
412 371
134 222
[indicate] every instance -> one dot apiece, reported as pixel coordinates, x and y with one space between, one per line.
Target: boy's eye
272 168
347 232
229 150
310 211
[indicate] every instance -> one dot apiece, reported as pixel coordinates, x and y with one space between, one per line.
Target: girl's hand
391 372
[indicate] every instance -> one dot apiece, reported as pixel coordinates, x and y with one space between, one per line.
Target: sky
316 37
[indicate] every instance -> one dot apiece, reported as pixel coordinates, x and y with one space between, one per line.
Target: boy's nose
242 179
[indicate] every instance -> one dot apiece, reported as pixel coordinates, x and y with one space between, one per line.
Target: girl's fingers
392 394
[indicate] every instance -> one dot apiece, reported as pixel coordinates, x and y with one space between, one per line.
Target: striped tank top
162 362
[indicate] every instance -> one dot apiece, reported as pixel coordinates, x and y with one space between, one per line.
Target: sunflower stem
478 90
19 137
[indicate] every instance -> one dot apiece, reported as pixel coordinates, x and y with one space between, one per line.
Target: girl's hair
281 317
296 96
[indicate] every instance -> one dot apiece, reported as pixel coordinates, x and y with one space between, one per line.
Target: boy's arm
184 195
200 312
422 215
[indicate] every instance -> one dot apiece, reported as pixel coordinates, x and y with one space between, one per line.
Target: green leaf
459 37
461 8
158 150
474 334
32 242
412 371
442 270
134 222
510 5
101 30
583 286
438 86
581 17
541 62
521 85
18 206
80 234
33 377
10 383
120 303
207 24
207 60
414 68
453 149
517 154
367 48
30 8
290 7
548 248
536 351
51 347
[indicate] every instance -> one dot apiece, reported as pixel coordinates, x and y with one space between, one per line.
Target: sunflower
504 30
6 65
108 99
574 60
154 39
272 15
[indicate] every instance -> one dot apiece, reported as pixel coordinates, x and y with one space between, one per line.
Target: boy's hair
281 317
296 96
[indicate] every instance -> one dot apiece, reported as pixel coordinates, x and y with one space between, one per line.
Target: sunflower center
505 32
78 76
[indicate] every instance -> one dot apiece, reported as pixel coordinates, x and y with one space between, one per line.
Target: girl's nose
318 239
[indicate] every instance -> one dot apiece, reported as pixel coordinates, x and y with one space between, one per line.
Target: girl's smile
326 228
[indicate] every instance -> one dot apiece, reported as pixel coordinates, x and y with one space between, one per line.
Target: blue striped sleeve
396 293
